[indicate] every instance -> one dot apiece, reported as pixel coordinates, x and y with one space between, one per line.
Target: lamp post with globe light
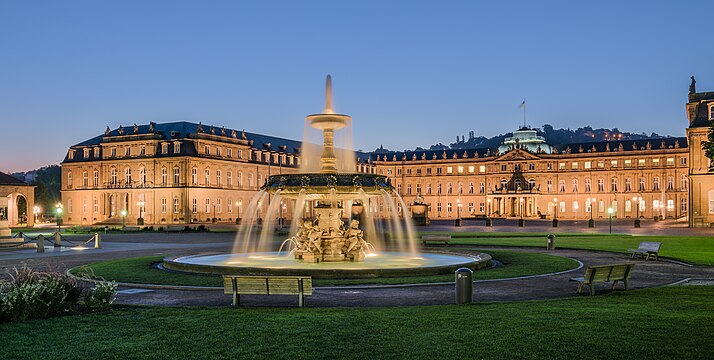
58 212
555 212
637 200
610 211
521 222
591 222
140 220
123 219
458 212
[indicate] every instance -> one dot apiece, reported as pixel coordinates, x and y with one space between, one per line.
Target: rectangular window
561 166
95 208
641 162
208 205
194 205
588 165
503 167
628 163
163 205
613 163
176 205
164 148
670 161
482 168
127 151
683 161
177 148
481 207
574 166
549 185
177 175
600 185
472 168
600 164
96 152
655 162
142 150
229 178
229 153
449 169
218 151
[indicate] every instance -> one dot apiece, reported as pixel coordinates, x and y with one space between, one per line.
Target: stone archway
20 206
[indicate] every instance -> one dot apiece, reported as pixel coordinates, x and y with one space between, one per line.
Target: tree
49 183
708 146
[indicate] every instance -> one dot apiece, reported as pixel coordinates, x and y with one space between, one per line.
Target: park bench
646 249
267 285
436 238
603 274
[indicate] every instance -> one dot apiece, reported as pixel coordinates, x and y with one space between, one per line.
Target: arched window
113 179
207 177
561 186
85 180
69 179
177 175
239 180
194 176
531 184
683 183
127 176
95 180
164 175
575 185
142 176
219 179
628 184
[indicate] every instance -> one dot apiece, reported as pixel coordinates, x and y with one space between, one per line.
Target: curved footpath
646 274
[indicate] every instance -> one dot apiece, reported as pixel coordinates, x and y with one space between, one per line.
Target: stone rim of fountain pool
216 264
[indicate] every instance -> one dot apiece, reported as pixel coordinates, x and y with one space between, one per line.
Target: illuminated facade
182 173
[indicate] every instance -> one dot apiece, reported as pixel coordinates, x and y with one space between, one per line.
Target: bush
32 294
101 296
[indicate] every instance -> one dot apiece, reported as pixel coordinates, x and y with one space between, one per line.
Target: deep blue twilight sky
410 73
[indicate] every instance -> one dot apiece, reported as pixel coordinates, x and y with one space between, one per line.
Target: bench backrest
267 285
606 273
650 246
436 237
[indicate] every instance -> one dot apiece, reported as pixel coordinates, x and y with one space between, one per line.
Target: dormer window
96 152
711 111
70 154
86 153
177 148
164 148
142 150
114 152
127 151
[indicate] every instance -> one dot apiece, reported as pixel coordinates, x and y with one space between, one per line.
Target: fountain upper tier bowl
376 265
328 186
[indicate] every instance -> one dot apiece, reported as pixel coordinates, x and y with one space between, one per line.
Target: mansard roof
414 155
627 145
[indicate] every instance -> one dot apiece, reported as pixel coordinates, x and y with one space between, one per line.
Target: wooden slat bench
646 249
603 274
436 238
267 285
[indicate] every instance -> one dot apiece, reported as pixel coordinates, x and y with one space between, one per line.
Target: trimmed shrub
100 297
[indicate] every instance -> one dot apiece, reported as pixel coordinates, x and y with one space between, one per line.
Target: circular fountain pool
378 265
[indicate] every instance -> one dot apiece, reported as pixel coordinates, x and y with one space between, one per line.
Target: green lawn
139 270
661 323
697 250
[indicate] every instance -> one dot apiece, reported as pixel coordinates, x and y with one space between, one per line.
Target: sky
410 73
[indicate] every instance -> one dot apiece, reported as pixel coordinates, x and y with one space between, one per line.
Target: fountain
325 245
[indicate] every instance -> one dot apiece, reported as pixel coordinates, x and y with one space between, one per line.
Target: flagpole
524 113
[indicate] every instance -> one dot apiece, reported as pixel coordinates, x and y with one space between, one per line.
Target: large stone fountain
341 239
326 238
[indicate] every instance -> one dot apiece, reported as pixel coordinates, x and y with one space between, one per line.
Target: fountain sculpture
324 245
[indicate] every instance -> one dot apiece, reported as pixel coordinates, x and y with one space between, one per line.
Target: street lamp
238 206
458 212
555 212
140 220
637 200
610 211
58 211
260 221
489 221
521 222
36 210
123 218
283 209
214 219
591 222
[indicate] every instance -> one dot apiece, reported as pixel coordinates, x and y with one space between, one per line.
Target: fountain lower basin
384 264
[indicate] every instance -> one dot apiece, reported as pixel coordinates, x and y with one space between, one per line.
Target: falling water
269 222
298 212
243 238
408 225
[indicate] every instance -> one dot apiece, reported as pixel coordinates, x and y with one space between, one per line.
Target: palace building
183 173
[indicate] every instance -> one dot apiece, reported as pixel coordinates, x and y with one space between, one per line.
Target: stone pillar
4 223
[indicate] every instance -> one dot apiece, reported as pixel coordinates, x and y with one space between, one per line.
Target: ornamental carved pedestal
327 240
